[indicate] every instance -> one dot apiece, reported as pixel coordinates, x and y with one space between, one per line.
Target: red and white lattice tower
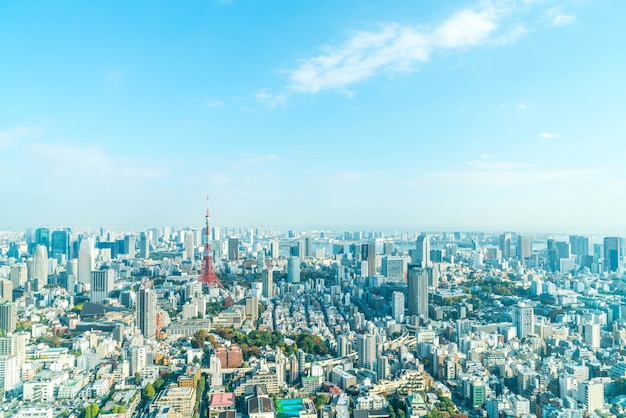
207 274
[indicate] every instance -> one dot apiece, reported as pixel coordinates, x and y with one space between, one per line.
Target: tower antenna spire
207 274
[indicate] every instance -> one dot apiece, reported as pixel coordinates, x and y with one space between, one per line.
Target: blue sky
407 114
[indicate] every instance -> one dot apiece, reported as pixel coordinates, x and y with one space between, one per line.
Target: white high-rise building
215 370
138 359
366 350
592 335
40 266
523 320
101 284
591 394
9 372
188 245
397 307
85 260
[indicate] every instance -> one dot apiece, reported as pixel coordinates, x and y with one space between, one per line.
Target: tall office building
8 317
418 291
592 335
523 320
563 249
19 275
422 254
130 243
393 268
505 245
366 350
15 345
591 394
60 244
101 284
368 253
524 246
146 312
611 254
40 266
397 307
233 249
268 284
144 245
308 247
42 237
188 245
293 270
85 260
9 374
6 290
275 248
252 308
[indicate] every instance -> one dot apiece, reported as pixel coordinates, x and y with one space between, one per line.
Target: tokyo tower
207 274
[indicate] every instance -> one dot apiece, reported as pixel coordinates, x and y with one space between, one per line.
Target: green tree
148 391
87 413
95 409
320 401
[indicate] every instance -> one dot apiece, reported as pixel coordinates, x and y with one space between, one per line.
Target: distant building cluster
349 324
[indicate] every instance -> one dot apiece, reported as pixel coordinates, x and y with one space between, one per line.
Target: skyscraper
60 244
129 246
40 266
397 306
505 245
6 290
144 245
393 268
42 237
188 245
233 249
268 284
146 312
524 246
85 260
366 350
101 284
422 246
611 254
418 291
293 270
308 249
523 320
8 317
368 253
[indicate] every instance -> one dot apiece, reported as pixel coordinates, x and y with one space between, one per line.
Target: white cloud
91 165
466 28
393 48
270 99
522 106
9 137
557 17
548 135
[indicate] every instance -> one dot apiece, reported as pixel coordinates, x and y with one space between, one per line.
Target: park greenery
252 342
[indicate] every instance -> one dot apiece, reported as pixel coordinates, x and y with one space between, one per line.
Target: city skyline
476 115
